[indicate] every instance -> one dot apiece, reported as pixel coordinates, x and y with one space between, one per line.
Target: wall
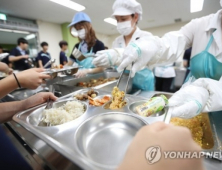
160 31
106 39
52 34
68 37
157 31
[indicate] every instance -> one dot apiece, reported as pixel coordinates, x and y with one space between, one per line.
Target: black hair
22 41
133 15
44 44
61 43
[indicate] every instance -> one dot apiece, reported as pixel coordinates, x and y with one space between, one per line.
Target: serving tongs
127 83
49 63
50 102
168 115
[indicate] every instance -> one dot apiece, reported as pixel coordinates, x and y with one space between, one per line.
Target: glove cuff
138 50
110 59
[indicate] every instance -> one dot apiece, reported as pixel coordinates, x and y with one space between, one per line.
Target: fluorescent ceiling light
111 21
70 4
5 30
3 17
21 32
196 5
29 37
15 31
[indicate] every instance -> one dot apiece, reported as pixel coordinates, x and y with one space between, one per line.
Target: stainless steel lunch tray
62 137
68 70
70 139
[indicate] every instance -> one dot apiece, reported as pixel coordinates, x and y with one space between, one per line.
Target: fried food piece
83 97
93 95
98 102
117 99
111 79
95 82
82 84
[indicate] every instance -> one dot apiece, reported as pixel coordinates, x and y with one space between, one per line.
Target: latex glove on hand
188 102
168 138
203 95
81 73
107 58
151 51
214 89
140 52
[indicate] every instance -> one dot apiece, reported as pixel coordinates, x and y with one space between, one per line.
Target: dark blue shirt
21 64
187 56
44 57
10 158
63 58
99 46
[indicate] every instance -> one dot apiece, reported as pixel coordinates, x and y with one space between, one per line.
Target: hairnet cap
79 17
127 7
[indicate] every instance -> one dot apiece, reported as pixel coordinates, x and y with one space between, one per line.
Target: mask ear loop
133 16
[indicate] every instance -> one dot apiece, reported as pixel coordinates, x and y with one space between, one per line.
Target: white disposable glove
203 95
108 58
151 51
214 102
3 55
137 52
81 73
188 102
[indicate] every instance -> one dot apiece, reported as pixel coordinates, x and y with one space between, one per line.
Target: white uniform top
199 31
120 41
195 34
167 71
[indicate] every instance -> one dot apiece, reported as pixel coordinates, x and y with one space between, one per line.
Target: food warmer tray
73 139
70 85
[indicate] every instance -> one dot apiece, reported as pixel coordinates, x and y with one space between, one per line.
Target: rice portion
66 113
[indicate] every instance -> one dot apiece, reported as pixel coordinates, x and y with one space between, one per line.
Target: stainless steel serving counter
46 157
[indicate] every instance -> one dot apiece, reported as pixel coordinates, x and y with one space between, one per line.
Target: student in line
62 56
43 56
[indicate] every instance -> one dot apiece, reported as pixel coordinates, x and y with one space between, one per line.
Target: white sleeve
171 46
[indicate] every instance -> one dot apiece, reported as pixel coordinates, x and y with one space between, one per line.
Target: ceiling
155 12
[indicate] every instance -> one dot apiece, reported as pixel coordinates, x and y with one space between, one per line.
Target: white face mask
82 34
124 28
